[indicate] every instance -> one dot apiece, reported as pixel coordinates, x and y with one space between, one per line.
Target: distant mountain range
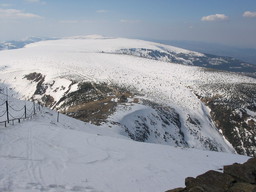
21 43
244 54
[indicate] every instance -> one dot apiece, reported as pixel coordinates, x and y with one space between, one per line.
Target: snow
97 43
42 155
96 59
251 113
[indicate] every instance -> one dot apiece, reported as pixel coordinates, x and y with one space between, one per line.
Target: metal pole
34 108
25 107
58 117
7 111
7 94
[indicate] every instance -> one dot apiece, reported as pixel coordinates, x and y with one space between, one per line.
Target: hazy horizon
229 22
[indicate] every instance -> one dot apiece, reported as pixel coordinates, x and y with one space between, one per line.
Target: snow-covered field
42 155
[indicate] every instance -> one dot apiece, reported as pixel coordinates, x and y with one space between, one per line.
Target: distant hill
244 54
21 43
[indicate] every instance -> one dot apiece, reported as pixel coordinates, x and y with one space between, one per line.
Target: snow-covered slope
86 77
41 154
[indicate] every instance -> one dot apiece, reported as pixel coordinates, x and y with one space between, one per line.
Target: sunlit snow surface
43 155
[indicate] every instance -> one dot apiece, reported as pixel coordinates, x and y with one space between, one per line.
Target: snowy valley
123 91
146 99
40 154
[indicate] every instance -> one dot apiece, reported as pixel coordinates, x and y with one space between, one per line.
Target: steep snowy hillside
145 99
41 154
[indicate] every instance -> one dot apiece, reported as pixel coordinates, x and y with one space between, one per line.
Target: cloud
249 14
102 11
17 14
216 17
129 21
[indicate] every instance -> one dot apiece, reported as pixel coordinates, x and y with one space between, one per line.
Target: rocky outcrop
235 178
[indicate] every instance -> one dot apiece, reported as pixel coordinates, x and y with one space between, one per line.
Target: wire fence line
2 103
17 110
11 113
3 114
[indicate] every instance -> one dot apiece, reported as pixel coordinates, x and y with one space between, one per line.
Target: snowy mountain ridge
163 53
144 99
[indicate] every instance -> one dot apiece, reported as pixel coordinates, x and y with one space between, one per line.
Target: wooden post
7 111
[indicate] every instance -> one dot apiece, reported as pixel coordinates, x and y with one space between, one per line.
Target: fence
11 113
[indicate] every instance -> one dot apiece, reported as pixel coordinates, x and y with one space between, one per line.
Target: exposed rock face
93 102
243 173
36 77
233 109
235 178
211 181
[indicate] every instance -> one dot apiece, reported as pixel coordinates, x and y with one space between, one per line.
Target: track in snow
41 155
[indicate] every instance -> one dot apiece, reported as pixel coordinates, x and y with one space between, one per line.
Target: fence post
58 117
34 108
7 111
25 107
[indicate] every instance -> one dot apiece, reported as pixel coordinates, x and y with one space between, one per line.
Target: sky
229 22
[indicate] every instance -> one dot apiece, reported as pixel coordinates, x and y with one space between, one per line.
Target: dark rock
48 100
36 77
196 189
242 187
123 99
236 178
210 181
189 181
176 190
243 172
